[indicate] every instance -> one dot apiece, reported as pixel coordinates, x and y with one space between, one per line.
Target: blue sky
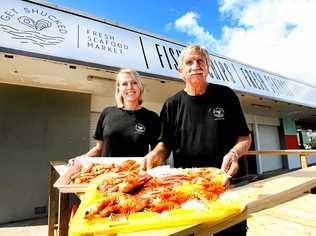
276 35
152 16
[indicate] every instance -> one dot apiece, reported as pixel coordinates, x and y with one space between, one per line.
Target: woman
127 129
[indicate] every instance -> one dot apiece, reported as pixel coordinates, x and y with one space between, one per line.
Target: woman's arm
96 151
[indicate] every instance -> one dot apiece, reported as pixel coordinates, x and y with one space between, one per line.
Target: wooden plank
52 201
301 210
269 225
276 190
303 161
281 152
296 217
63 205
64 214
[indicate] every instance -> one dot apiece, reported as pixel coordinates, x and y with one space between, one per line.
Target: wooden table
57 168
268 193
295 217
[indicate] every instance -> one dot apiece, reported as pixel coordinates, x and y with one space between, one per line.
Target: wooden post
64 214
51 201
303 161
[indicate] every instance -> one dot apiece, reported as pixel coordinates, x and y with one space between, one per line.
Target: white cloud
276 35
188 24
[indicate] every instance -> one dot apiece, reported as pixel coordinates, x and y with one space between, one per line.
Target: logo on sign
32 26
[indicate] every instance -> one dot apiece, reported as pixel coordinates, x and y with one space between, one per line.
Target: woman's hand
74 160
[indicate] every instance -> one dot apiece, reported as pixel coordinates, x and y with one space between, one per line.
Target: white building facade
57 73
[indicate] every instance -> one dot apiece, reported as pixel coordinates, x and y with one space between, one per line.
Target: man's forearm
161 151
230 160
156 157
242 145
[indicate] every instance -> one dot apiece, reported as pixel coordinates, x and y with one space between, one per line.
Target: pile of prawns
125 189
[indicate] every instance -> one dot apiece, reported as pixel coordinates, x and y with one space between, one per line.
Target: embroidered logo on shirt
140 128
218 113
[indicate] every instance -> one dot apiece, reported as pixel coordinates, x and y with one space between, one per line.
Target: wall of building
265 130
36 126
290 141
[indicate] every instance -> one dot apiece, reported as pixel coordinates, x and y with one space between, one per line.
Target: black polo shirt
127 133
200 130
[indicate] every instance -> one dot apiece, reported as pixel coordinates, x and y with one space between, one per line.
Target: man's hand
230 164
152 160
230 160
156 157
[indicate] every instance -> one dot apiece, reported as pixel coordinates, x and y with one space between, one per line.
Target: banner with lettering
43 31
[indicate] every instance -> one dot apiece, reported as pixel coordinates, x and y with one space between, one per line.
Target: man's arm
230 160
156 157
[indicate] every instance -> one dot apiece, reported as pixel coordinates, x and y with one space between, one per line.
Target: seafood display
122 198
92 170
123 193
77 177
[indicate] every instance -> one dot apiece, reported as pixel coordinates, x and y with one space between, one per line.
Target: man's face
194 69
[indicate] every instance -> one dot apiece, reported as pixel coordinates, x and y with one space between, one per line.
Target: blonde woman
127 129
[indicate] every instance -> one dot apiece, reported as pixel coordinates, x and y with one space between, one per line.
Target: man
203 125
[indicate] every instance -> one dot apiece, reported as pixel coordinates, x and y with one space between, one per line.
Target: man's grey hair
194 48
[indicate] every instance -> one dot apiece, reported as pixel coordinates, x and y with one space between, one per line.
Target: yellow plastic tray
216 212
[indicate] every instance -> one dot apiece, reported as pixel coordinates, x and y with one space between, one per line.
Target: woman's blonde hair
118 95
194 48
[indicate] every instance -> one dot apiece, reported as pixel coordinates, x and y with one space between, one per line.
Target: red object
74 208
291 141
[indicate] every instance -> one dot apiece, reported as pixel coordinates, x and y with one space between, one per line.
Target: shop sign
47 32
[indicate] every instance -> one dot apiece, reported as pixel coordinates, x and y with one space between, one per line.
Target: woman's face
129 88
